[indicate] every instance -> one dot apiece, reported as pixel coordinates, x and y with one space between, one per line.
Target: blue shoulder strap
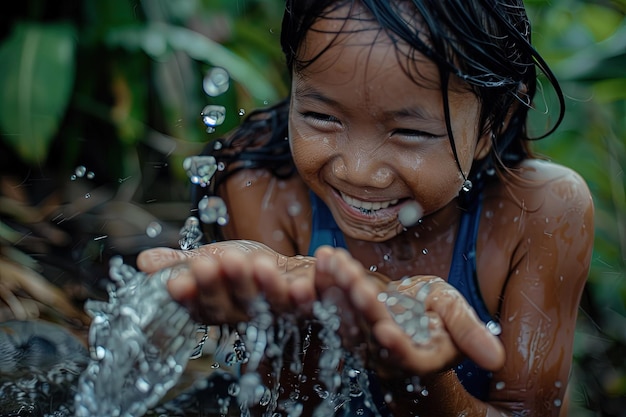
325 230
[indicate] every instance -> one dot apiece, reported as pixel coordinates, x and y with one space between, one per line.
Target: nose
362 169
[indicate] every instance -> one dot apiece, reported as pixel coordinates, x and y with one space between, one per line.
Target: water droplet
494 328
467 186
425 251
294 209
80 171
73 177
221 166
91 175
410 214
233 389
489 214
216 82
241 112
88 195
154 229
100 352
278 235
200 169
500 385
424 392
213 115
142 385
373 268
217 145
387 257
557 402
211 209
558 384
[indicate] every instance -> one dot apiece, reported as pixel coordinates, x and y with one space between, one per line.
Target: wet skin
359 127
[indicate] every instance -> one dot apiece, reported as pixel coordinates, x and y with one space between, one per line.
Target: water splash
140 342
409 312
190 234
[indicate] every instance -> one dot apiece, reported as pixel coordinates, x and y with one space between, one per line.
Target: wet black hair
484 44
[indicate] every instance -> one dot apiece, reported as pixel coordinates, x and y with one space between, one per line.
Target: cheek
310 151
433 177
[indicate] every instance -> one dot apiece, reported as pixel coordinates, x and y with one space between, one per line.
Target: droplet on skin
410 214
494 328
154 229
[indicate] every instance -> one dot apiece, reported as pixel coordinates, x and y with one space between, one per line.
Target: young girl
400 161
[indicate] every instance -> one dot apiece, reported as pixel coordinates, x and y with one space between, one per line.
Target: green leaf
36 77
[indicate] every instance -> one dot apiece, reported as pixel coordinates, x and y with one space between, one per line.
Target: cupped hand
219 282
454 329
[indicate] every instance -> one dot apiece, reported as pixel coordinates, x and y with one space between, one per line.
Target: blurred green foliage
116 85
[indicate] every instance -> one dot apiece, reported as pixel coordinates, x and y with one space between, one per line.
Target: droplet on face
213 115
410 214
216 82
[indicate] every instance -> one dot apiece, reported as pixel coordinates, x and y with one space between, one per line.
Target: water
140 342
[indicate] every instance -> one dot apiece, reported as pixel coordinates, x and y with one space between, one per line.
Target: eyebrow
311 93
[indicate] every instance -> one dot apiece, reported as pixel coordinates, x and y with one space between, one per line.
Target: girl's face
368 139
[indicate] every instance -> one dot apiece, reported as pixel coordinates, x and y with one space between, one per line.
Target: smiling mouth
367 207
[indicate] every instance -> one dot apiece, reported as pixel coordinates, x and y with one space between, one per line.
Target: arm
267 209
540 297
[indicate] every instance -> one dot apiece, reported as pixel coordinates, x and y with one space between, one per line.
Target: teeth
367 205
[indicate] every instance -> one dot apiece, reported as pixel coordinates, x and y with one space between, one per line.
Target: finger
153 260
182 287
238 277
213 301
270 282
436 354
465 328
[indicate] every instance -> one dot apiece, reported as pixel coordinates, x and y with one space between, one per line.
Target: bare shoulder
539 189
267 209
553 183
541 217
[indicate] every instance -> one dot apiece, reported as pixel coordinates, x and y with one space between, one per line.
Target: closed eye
321 120
419 134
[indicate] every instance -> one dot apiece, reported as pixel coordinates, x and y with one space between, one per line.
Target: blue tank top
462 276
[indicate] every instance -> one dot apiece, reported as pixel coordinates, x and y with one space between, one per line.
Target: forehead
351 30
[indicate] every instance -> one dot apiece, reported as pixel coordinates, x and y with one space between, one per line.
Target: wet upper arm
540 298
266 209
